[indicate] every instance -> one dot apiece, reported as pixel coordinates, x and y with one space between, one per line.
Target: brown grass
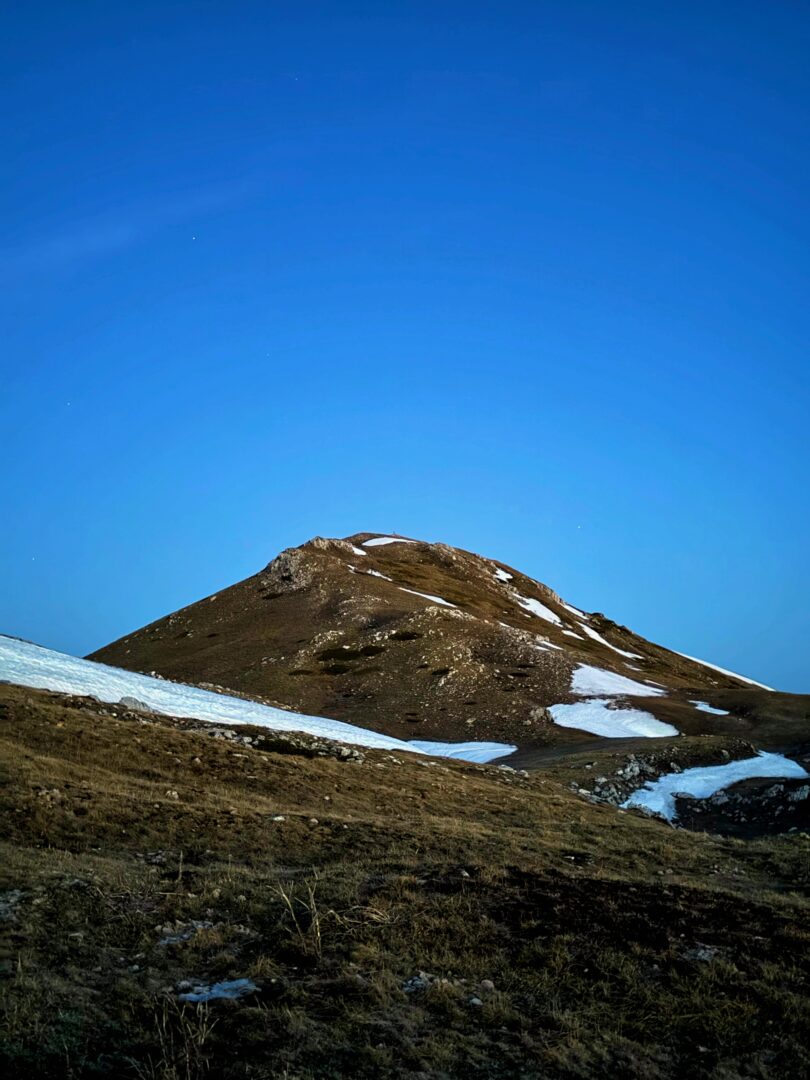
575 927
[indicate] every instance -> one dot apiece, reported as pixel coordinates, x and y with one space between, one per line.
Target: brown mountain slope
421 641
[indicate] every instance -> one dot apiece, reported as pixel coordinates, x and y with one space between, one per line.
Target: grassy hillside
397 917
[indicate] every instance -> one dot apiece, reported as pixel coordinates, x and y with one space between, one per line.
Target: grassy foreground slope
398 917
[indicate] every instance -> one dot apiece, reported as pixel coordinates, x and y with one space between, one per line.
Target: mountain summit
428 641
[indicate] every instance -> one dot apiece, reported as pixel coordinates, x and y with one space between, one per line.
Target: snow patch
574 611
425 596
597 717
598 637
368 573
703 781
705 707
358 551
230 990
378 541
536 608
570 633
589 680
502 575
480 752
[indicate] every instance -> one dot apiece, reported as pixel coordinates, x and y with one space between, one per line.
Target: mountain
426 641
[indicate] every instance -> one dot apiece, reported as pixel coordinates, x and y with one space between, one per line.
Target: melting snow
598 637
570 633
480 752
574 611
593 680
234 988
378 541
425 596
502 575
25 664
358 551
598 718
536 608
722 670
658 795
704 707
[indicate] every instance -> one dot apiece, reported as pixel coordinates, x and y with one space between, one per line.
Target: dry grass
561 939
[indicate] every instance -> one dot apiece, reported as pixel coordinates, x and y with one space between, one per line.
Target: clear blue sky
529 278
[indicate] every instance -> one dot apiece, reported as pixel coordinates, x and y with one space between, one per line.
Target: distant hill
421 640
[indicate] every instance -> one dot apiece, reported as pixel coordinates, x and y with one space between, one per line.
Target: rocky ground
179 900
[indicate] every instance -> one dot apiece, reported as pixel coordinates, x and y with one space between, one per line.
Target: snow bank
593 680
25 664
502 575
481 752
658 795
30 665
597 717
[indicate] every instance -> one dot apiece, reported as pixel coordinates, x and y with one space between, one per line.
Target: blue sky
526 278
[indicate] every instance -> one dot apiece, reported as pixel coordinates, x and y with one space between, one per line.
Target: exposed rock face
750 808
414 639
289 571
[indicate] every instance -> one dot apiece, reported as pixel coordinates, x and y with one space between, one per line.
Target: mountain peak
419 639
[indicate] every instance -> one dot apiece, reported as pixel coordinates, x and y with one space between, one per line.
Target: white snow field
536 608
502 575
705 707
658 795
378 541
25 664
722 670
589 680
481 752
598 718
358 551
